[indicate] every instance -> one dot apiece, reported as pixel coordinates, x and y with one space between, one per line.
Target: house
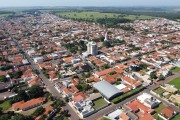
38 59
170 88
175 98
68 92
53 76
23 106
148 100
147 116
167 113
84 107
130 81
34 81
59 86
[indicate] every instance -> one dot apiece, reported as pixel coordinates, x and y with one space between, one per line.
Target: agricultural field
98 15
175 82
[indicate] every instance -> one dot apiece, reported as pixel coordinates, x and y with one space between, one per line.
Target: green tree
161 77
3 78
35 91
153 75
21 117
38 111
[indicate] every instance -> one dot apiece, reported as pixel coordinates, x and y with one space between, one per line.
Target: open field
5 105
98 15
99 103
175 82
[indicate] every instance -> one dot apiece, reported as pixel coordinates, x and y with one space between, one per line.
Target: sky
29 3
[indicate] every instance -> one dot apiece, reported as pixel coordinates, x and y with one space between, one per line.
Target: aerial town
57 68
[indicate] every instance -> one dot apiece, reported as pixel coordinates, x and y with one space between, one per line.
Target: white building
92 48
148 100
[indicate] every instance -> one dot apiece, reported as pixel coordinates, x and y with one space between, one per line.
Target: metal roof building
107 90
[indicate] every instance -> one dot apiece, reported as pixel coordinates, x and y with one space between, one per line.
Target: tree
106 44
38 111
153 75
161 77
43 117
21 117
58 103
3 78
36 91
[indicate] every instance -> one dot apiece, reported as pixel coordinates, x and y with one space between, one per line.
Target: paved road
49 85
74 116
147 90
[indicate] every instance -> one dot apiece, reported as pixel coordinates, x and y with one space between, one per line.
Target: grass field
158 110
176 69
97 15
5 105
177 117
99 103
104 118
175 82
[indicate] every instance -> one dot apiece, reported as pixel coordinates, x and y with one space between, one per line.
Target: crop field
98 15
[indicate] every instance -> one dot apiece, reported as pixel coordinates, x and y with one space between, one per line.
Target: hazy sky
7 3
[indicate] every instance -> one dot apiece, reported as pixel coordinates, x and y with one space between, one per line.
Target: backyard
99 103
175 82
158 110
159 90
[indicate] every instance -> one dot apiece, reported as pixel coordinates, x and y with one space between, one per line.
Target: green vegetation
3 78
16 74
76 46
3 15
177 117
158 110
99 15
107 19
5 105
176 69
161 77
175 82
38 111
57 104
83 87
126 95
113 43
104 118
153 75
159 91
6 67
99 103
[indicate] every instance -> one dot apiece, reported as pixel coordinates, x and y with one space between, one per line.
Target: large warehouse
107 90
